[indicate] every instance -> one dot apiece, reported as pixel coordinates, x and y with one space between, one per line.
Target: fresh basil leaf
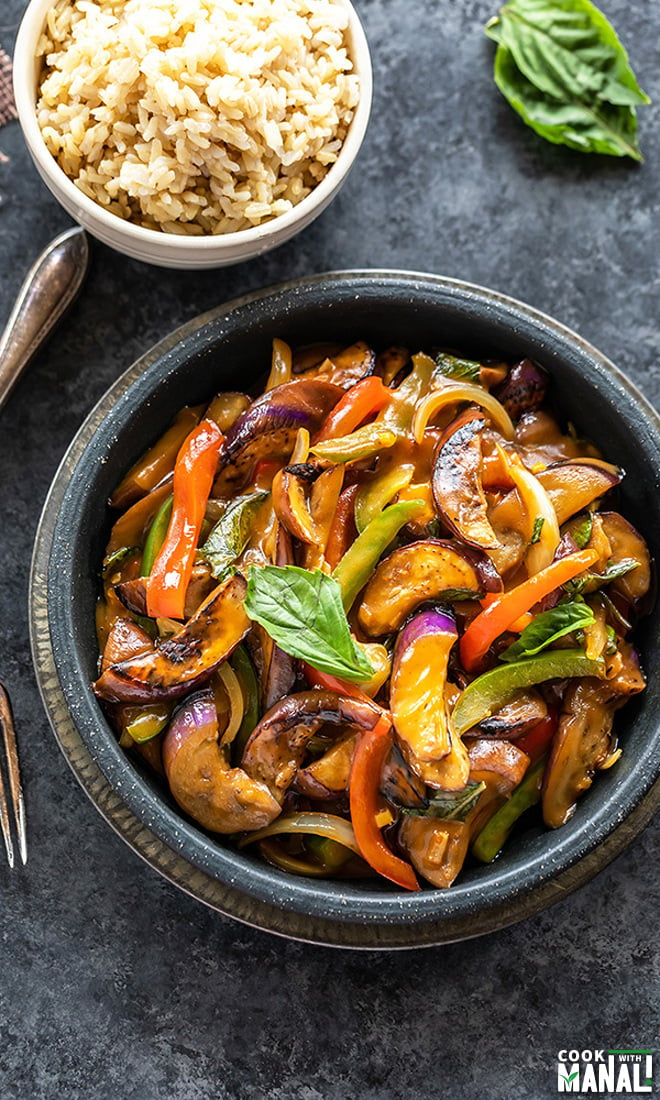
611 640
602 128
456 595
452 367
114 560
231 533
569 50
548 627
561 66
536 532
591 582
449 805
304 614
582 533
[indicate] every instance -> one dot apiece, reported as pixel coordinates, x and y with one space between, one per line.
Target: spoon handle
50 287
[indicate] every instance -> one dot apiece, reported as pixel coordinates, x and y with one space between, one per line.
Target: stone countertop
116 985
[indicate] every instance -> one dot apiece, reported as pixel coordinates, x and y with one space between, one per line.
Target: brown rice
196 116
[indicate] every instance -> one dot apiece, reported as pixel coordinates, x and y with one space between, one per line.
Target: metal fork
47 292
16 791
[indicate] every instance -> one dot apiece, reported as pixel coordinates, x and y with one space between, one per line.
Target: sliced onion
450 394
280 370
537 505
301 450
318 824
271 851
232 686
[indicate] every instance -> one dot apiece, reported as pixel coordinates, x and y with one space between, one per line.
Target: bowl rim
138 235
413 911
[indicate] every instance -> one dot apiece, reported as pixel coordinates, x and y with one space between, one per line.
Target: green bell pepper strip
360 560
156 536
151 721
375 495
247 678
493 689
398 414
495 832
362 443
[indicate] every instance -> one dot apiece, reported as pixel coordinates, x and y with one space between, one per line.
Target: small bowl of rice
193 133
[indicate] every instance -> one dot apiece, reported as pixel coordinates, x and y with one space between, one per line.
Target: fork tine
4 823
18 804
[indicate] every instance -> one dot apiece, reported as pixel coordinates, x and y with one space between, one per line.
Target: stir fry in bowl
369 618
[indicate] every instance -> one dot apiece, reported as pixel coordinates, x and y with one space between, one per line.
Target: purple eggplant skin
267 430
524 388
456 482
277 745
221 798
187 659
419 673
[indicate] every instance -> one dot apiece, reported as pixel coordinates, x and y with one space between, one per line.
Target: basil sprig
449 805
451 366
548 627
303 613
231 534
561 66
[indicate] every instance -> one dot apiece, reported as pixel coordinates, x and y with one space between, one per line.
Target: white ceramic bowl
166 249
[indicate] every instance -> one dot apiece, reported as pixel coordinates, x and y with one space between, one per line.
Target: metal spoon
50 287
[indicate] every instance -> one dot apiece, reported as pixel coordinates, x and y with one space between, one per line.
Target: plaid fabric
7 105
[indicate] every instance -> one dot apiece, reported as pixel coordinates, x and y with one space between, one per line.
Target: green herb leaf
449 805
591 582
304 615
582 533
547 627
536 532
561 66
456 595
231 534
452 367
114 560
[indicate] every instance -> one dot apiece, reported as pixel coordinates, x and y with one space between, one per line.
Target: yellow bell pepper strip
398 414
509 606
159 460
156 536
193 478
280 370
362 443
368 759
492 838
360 402
130 527
493 689
360 560
540 512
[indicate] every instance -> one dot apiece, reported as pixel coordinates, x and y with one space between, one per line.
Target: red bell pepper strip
370 753
368 759
509 606
537 742
193 477
343 529
159 460
362 400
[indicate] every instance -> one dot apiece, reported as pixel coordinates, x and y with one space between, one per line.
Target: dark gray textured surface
114 984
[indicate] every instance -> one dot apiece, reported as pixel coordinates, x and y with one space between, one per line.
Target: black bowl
228 348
